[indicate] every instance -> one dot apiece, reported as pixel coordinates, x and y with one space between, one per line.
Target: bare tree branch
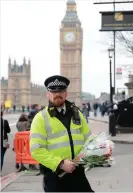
125 39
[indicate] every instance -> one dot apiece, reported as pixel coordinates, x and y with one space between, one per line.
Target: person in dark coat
85 112
95 107
32 113
5 129
103 109
22 126
89 108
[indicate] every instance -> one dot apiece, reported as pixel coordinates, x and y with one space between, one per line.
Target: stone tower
71 41
19 86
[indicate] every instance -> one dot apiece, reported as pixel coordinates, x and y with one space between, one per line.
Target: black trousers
75 182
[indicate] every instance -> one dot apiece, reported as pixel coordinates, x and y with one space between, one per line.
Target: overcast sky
30 28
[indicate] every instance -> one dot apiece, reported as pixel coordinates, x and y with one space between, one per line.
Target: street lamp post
112 129
111 52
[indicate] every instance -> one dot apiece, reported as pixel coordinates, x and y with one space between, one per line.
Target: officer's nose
57 94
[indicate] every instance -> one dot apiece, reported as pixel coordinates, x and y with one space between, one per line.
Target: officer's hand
68 166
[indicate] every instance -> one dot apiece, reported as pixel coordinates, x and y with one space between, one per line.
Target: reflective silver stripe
36 146
47 125
58 134
76 131
63 133
51 135
87 135
65 144
78 142
54 135
37 135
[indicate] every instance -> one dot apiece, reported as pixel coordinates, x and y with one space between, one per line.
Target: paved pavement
99 117
118 178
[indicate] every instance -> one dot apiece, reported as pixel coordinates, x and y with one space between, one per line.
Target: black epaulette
52 111
76 117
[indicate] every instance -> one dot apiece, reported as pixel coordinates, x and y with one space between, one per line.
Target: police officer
57 135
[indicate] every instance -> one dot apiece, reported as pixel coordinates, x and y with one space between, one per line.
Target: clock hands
69 37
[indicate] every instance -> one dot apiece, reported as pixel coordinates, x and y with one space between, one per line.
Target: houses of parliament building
18 87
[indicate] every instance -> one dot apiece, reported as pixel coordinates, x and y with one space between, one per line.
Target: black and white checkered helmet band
56 83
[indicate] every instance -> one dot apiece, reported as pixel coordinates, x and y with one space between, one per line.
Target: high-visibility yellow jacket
49 140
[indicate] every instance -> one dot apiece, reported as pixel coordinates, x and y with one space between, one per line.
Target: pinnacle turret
71 2
71 13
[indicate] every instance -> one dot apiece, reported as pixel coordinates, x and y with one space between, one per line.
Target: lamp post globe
111 52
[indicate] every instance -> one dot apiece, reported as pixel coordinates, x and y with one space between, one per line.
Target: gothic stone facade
71 41
19 89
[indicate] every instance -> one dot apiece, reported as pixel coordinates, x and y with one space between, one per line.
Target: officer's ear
66 93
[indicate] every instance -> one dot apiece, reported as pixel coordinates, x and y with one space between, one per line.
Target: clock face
69 37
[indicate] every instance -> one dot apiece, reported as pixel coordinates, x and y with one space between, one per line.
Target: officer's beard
58 101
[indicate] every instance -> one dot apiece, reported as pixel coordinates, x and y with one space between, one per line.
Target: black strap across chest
65 119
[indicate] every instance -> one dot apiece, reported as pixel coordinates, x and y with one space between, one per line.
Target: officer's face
57 98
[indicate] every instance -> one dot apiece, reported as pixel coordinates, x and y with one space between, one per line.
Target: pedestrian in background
95 107
103 109
85 112
28 108
22 125
14 108
5 129
89 108
34 109
23 108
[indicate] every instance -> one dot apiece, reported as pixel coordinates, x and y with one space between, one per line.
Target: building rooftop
70 1
3 81
71 13
71 17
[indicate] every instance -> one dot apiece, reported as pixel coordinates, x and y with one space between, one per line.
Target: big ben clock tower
71 38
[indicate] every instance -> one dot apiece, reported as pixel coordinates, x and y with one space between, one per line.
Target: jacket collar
70 107
53 110
60 108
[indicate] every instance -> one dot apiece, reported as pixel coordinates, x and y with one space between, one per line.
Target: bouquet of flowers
97 151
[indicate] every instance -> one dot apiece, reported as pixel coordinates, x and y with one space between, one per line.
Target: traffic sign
119 72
